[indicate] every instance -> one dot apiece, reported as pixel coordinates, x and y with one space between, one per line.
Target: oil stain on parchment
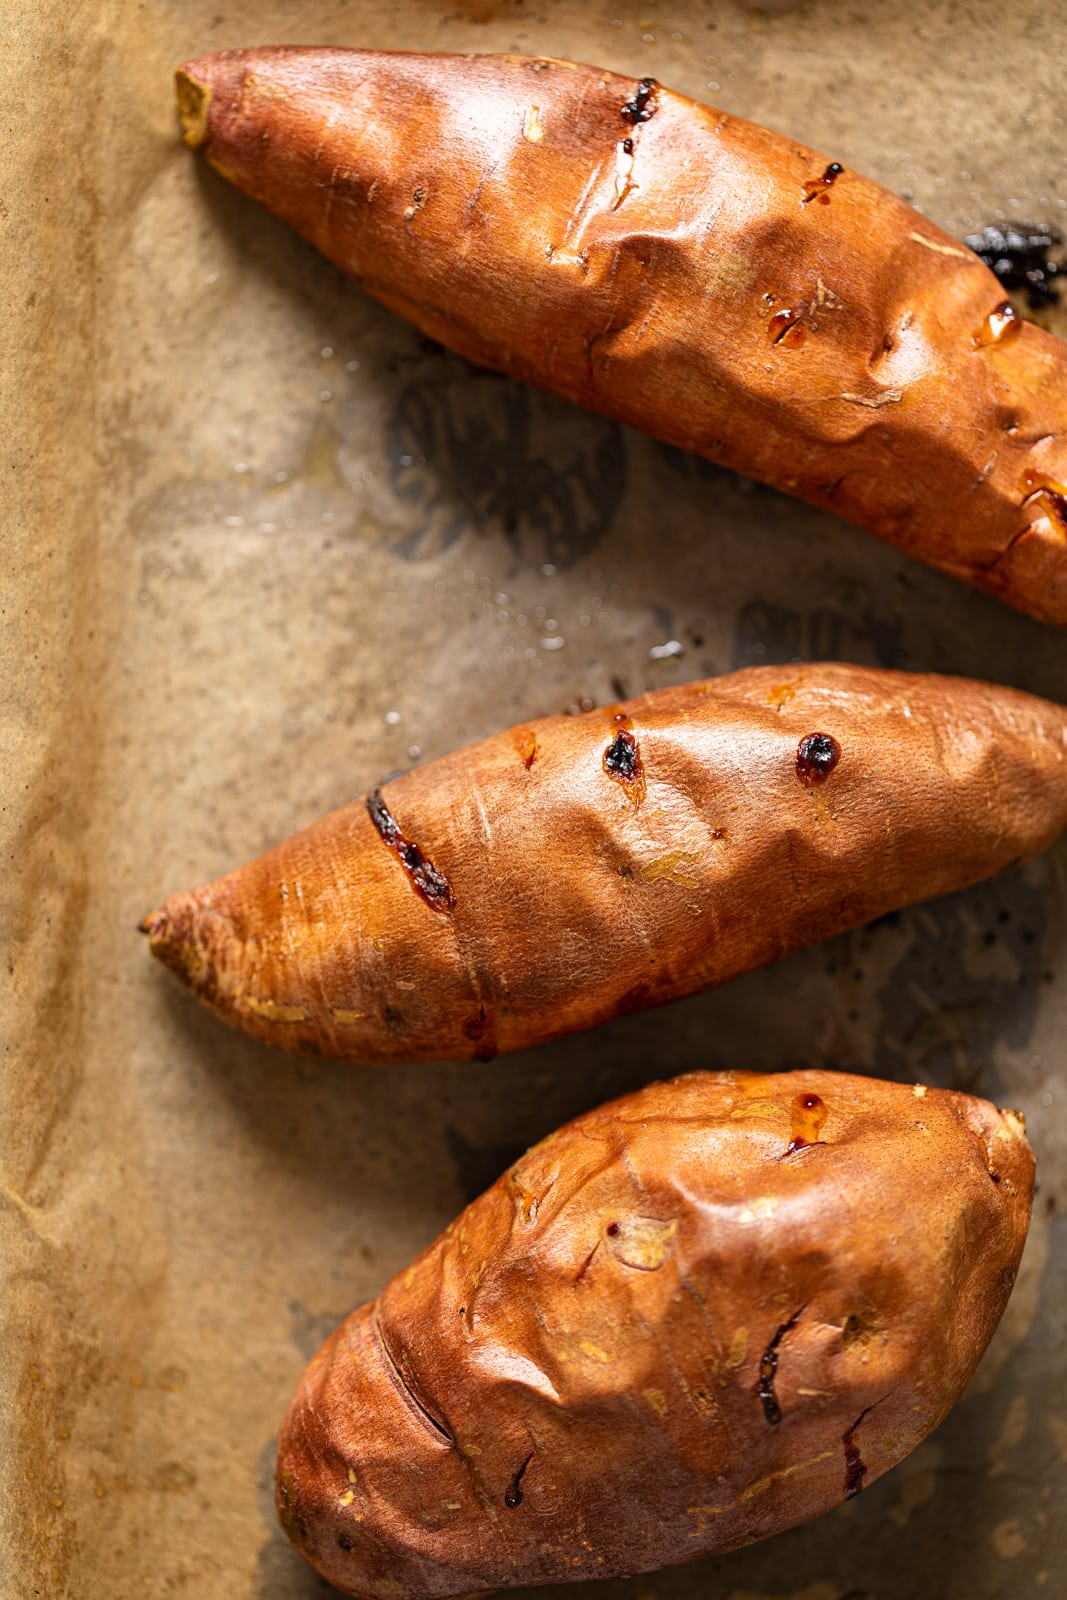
771 635
480 452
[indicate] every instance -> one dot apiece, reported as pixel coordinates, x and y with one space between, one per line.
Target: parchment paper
263 544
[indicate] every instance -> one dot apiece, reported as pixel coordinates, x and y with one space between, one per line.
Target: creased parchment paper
262 544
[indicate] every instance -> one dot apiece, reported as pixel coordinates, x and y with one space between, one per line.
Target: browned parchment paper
262 544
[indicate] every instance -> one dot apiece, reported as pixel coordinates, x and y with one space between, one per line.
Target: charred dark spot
768 1367
345 1541
431 885
1017 253
622 762
393 1019
628 146
613 1230
513 1492
620 758
306 1045
642 104
809 1115
1006 1280
382 817
817 756
816 188
481 1031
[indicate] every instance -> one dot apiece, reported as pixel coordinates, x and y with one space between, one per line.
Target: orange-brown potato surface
668 264
688 1320
575 868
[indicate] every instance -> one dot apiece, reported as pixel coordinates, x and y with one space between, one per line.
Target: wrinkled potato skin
490 200
591 1332
571 903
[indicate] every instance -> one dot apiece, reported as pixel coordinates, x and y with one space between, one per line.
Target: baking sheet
263 543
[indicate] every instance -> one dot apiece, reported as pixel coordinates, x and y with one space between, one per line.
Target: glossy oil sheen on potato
688 1320
574 868
668 264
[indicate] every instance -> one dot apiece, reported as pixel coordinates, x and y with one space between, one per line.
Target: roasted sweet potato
579 867
688 1320
715 284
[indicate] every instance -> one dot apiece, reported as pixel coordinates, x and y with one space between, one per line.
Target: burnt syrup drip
1001 323
809 1116
817 188
431 885
768 1368
817 756
641 106
1058 504
1048 494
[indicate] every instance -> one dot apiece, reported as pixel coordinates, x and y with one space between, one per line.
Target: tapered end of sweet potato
173 938
256 116
194 935
194 102
205 938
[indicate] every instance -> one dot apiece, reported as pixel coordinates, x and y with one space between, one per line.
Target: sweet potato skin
713 283
603 863
672 1328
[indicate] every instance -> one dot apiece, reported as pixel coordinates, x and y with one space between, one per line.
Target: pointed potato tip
193 937
172 938
158 927
194 104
